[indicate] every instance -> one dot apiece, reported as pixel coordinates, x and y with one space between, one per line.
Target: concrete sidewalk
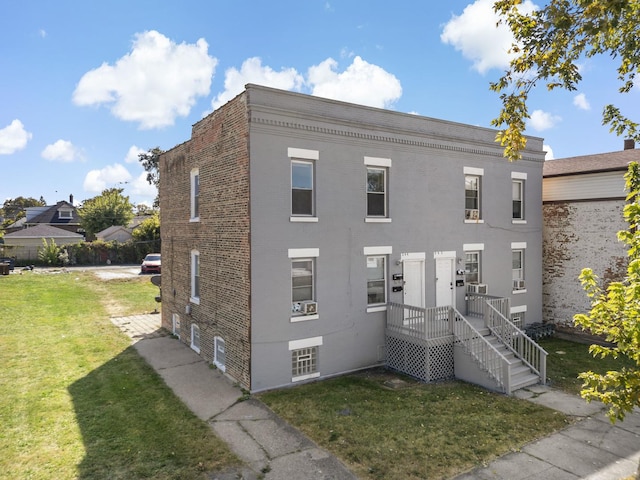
592 448
269 447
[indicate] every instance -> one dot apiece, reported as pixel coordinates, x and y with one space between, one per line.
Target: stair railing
523 347
481 350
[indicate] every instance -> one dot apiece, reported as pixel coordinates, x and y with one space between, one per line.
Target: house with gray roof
583 201
23 244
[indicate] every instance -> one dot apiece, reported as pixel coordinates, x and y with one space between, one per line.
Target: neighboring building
24 244
115 233
62 215
584 198
292 225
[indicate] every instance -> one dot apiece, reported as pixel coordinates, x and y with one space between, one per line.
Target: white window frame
469 215
473 248
518 312
196 285
519 178
300 254
65 213
217 342
375 253
195 338
305 346
384 165
519 247
303 155
175 324
194 195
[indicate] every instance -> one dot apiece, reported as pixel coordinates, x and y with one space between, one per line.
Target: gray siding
426 206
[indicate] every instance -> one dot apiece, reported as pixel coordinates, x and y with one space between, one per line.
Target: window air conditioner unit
472 214
518 284
309 307
477 288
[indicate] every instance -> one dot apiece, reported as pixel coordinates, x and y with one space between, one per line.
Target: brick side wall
219 149
578 235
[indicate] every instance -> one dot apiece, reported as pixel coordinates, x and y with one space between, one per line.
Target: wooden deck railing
523 347
423 323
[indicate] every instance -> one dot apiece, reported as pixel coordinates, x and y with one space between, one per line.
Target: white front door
445 281
413 275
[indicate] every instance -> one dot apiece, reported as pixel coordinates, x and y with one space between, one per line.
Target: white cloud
541 120
362 83
153 84
581 102
132 154
111 176
42 32
549 154
139 186
13 137
252 71
476 34
62 151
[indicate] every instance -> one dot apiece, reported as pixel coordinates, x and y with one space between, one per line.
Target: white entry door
413 275
445 281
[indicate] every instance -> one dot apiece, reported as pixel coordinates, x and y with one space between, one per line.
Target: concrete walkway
592 448
269 447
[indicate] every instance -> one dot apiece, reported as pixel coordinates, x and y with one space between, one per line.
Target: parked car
151 263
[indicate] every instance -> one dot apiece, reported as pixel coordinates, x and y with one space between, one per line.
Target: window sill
303 219
195 300
516 292
305 377
377 220
379 308
220 367
519 222
304 318
474 221
194 219
195 349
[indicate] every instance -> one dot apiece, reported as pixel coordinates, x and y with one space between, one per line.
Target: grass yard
421 431
567 359
77 400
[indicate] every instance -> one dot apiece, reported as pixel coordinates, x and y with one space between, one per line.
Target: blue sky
85 86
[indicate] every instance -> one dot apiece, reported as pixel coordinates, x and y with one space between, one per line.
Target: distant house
304 237
23 244
583 202
116 233
62 215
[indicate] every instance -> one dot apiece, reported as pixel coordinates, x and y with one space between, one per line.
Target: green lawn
422 431
568 359
77 401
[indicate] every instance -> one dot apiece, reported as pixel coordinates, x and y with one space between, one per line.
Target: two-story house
293 225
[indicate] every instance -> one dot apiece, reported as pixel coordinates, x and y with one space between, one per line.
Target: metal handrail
481 350
523 347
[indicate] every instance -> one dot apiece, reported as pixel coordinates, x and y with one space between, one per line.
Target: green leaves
107 209
549 45
615 315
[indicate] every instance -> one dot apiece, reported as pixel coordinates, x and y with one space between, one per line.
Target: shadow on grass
133 426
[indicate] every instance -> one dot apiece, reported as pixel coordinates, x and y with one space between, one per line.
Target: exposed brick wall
219 149
578 235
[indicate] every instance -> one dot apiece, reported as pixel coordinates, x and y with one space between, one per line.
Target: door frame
451 256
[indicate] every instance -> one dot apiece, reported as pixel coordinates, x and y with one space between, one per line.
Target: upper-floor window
377 185
301 188
65 213
303 184
195 277
473 193
195 194
517 196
